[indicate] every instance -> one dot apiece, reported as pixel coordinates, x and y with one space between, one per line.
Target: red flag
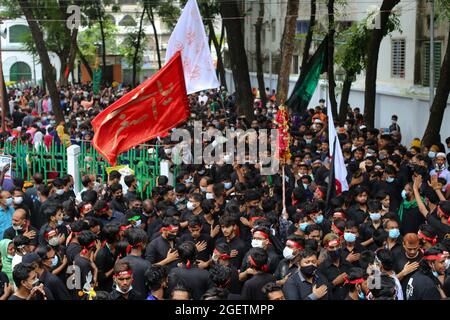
150 110
66 72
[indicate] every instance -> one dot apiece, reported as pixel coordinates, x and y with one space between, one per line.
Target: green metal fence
52 163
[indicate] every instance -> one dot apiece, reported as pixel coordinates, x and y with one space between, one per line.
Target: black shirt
441 229
56 286
3 280
204 255
400 261
422 287
10 233
411 220
252 287
366 231
139 267
357 215
195 279
272 261
72 250
241 247
358 248
118 205
85 269
298 288
157 251
283 269
105 262
331 272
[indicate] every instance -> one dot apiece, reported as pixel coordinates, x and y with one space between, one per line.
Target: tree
437 110
373 49
38 37
287 49
259 59
308 41
168 12
239 65
331 82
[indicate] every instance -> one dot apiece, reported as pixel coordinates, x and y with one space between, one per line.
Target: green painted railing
29 160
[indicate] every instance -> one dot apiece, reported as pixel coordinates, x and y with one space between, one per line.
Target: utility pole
2 96
431 51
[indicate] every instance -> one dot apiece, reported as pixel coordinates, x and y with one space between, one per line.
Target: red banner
150 110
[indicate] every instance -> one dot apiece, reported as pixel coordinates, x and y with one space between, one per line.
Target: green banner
96 81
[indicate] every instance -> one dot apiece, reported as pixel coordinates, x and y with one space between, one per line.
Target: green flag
309 77
96 81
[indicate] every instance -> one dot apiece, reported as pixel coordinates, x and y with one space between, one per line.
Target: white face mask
121 291
203 189
53 241
209 196
190 206
257 243
18 200
288 253
60 192
228 185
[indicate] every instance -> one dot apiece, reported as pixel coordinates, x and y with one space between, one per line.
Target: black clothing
400 261
72 250
283 269
356 214
298 288
105 261
85 269
252 287
241 248
157 250
272 261
118 205
139 267
55 285
411 220
441 230
204 255
331 272
132 295
10 233
422 287
195 279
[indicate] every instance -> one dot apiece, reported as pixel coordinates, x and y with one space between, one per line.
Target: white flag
340 171
189 36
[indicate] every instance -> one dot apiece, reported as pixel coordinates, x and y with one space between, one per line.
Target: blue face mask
319 219
9 202
390 180
375 216
349 237
435 274
303 226
54 261
361 296
394 233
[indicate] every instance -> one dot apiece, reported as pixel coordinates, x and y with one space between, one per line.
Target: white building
403 65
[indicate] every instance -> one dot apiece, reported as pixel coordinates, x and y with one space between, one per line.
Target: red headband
261 234
104 209
338 214
169 228
333 242
223 256
335 229
257 218
51 233
123 228
294 244
435 257
424 237
355 281
127 273
263 268
86 248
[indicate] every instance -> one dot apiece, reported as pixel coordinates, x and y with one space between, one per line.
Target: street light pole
431 52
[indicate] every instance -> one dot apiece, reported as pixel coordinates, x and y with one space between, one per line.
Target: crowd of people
225 231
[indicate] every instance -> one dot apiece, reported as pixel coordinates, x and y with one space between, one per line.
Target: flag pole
284 189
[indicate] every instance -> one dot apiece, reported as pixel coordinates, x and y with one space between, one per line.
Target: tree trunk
38 38
373 49
344 98
72 53
85 63
102 31
331 83
220 65
287 49
155 33
308 41
238 56
138 47
259 59
437 110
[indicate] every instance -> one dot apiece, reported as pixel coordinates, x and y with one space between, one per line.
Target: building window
302 26
274 33
20 71
18 33
398 58
426 62
127 21
295 64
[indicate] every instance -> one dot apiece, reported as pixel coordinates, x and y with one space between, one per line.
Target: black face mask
334 255
309 270
171 236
